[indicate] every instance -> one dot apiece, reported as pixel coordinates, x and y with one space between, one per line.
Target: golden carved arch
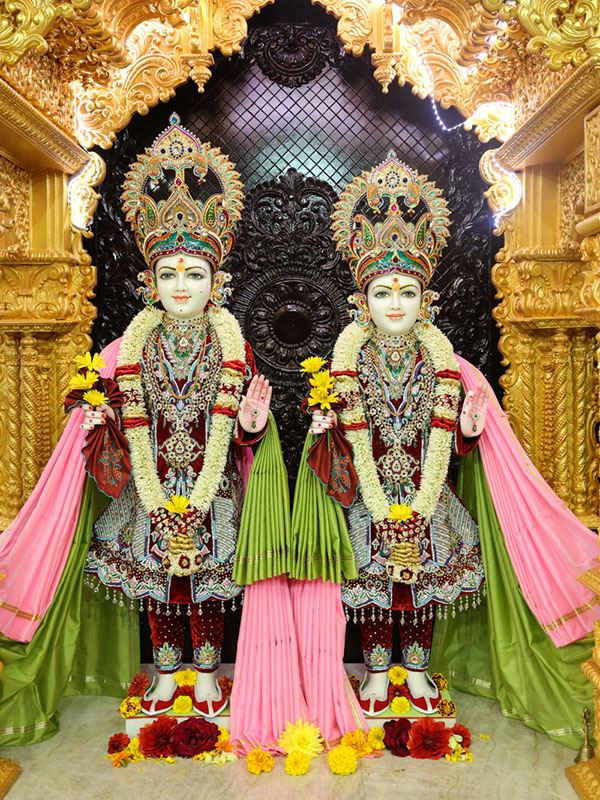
526 73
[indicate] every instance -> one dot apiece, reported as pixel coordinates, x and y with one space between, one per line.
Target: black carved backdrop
300 118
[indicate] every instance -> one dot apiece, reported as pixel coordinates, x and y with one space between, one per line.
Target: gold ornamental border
30 138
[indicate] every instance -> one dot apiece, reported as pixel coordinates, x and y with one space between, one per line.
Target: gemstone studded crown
413 229
181 223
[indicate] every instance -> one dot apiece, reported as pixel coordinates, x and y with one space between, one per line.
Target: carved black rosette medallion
293 55
291 289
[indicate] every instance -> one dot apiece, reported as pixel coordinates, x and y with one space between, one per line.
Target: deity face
183 283
394 302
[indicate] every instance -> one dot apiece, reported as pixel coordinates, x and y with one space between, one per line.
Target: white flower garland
146 479
439 446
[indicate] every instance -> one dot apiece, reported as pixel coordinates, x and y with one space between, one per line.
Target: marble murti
515 763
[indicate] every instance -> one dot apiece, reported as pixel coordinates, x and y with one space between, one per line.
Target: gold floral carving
83 201
26 23
432 47
93 42
579 94
43 81
230 22
157 69
592 161
571 193
14 206
546 343
355 27
563 31
505 189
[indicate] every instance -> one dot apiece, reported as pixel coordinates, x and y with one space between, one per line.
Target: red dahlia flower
429 739
117 743
461 730
138 685
195 735
156 738
396 736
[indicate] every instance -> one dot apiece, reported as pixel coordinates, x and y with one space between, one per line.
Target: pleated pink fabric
267 690
35 546
321 628
548 545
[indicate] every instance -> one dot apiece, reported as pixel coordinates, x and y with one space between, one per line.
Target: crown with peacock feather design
413 230
181 223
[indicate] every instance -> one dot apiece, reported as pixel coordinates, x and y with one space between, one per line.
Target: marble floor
515 763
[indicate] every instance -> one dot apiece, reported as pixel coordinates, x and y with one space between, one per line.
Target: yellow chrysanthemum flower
81 382
303 737
178 504
397 676
94 397
182 705
322 397
297 763
134 749
130 707
400 512
342 760
375 738
199 756
357 741
258 761
185 677
322 380
312 364
87 361
400 705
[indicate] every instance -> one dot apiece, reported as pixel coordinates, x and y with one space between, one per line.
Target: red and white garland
225 327
443 418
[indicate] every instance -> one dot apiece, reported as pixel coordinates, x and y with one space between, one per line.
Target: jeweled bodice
397 381
181 366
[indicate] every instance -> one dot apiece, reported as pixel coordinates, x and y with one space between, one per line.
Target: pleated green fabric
499 650
263 546
320 543
84 645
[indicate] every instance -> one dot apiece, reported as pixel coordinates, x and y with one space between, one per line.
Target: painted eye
166 276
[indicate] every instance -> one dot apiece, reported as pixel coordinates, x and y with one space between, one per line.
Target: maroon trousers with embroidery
167 632
415 633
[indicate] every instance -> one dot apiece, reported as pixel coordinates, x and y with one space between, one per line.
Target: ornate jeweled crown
398 243
181 223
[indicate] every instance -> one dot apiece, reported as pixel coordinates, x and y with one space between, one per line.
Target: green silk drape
84 645
263 545
499 650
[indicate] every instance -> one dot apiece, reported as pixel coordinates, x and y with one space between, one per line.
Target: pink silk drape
35 546
321 628
267 691
548 545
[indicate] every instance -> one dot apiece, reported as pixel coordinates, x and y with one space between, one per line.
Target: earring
360 315
149 292
220 292
428 311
